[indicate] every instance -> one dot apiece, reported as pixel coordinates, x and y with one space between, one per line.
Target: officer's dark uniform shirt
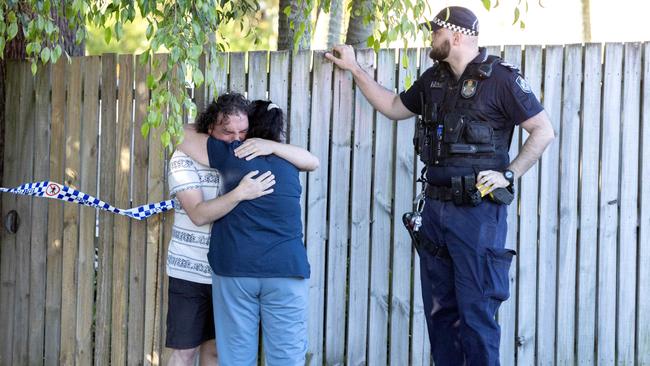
503 100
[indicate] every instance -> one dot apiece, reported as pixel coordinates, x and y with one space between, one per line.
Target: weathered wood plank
548 203
38 254
88 184
300 113
219 74
138 238
608 204
508 311
257 76
155 188
279 82
400 309
106 220
629 188
201 92
380 233
359 261
316 232
55 219
587 244
121 224
10 179
420 345
569 178
643 306
238 72
338 230
71 212
527 261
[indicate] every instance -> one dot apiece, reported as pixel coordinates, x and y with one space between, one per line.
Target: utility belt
463 191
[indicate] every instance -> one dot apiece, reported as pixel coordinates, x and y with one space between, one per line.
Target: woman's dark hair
227 104
265 123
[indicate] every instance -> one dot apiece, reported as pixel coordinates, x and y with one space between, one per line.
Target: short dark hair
265 123
227 104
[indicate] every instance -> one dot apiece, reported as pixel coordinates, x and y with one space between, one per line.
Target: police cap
456 19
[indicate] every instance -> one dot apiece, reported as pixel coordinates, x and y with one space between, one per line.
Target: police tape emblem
469 88
523 84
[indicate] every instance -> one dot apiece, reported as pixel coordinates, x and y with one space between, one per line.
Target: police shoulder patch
523 84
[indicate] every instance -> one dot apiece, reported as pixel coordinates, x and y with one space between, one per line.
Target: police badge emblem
469 88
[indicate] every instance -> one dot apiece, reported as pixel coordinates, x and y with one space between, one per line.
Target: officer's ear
456 38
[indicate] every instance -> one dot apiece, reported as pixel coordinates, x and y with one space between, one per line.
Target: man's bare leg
183 357
208 351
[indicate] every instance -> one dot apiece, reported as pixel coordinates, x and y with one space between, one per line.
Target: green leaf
12 31
144 130
118 31
11 17
198 77
45 55
486 4
34 68
516 16
107 35
56 53
522 25
165 138
151 82
2 48
149 31
408 81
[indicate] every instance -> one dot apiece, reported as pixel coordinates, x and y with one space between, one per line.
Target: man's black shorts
190 320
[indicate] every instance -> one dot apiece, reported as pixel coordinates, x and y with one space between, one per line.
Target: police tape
58 191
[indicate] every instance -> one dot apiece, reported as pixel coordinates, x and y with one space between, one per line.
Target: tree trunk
358 32
335 23
586 20
285 33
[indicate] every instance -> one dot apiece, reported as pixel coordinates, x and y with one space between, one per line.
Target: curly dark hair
227 104
265 123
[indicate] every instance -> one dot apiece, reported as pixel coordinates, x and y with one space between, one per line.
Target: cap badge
469 88
523 84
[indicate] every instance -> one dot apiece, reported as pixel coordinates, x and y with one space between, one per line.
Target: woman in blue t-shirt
257 253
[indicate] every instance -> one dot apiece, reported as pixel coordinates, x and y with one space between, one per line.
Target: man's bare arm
195 145
541 134
296 155
204 212
384 100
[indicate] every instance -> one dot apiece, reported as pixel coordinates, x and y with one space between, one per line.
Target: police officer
469 104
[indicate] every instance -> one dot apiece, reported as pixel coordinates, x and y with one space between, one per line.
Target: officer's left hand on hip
489 180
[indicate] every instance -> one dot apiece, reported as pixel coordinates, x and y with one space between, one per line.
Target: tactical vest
454 133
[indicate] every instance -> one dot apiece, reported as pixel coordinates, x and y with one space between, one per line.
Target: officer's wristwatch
510 176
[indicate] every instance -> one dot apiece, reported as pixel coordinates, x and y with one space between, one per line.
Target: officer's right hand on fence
342 55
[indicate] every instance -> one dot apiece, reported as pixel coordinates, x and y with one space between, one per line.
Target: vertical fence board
71 212
88 184
643 306
219 74
10 179
527 286
38 255
400 309
299 115
508 311
381 223
138 238
609 195
121 224
420 345
279 81
588 206
201 92
548 223
25 145
316 232
568 214
237 72
155 182
106 220
627 250
257 76
55 220
338 230
360 220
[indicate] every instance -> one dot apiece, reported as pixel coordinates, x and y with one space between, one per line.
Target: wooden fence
80 287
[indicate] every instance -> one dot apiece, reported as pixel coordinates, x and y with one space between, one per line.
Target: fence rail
82 287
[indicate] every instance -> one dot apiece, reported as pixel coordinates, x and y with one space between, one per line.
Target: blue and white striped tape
58 191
